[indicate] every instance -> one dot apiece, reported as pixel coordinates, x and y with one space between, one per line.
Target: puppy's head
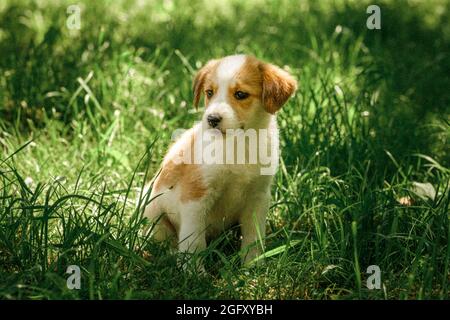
240 91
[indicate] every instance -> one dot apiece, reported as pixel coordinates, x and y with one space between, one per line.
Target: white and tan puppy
194 198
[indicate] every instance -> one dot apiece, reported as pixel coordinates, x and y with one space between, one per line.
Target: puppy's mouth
218 128
224 130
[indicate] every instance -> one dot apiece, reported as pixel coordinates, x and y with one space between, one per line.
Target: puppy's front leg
253 227
192 237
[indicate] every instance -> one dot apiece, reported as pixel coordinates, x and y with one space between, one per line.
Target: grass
87 115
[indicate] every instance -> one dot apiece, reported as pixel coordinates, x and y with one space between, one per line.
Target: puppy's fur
196 201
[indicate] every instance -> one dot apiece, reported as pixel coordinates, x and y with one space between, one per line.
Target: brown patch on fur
278 86
185 175
248 80
201 79
265 83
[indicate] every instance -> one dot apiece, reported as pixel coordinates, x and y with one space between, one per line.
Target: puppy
202 188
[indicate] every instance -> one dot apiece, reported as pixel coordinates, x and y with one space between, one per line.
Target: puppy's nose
213 119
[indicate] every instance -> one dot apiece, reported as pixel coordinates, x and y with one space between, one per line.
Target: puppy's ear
199 80
278 86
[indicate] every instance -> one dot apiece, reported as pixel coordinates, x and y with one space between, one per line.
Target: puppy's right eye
209 93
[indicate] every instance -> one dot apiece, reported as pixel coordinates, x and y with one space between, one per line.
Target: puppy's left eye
240 95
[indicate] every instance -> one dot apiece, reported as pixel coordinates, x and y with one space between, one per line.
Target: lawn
87 114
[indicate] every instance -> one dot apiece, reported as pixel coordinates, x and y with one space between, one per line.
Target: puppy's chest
231 190
234 184
232 178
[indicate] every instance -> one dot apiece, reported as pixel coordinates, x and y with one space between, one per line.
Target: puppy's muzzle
214 120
